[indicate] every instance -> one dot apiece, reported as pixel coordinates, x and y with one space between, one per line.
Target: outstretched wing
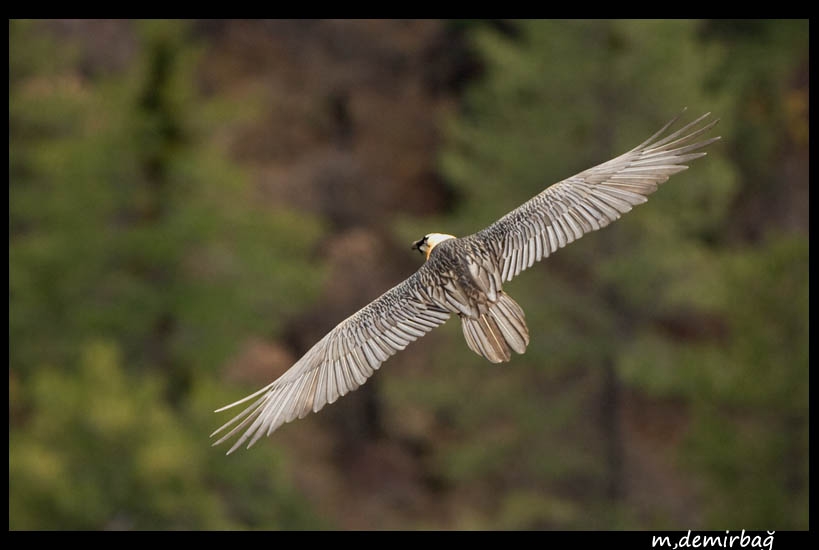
342 360
592 199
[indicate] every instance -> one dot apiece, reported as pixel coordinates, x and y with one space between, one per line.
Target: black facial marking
418 244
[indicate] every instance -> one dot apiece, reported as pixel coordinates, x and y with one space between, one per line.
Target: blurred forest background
192 204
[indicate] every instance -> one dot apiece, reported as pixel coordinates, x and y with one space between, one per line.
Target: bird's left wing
342 360
592 199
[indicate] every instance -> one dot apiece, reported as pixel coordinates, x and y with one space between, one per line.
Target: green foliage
580 92
139 261
554 99
104 450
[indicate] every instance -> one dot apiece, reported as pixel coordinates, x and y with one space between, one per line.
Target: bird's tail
501 327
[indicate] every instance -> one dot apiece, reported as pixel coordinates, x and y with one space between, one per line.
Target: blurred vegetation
136 256
193 204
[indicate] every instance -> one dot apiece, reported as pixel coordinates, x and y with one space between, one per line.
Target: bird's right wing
342 360
592 199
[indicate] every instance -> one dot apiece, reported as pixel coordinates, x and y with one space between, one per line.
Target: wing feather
341 361
592 199
349 354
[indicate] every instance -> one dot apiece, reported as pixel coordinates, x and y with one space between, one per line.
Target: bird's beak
417 245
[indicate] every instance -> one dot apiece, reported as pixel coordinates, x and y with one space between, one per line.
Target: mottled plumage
464 277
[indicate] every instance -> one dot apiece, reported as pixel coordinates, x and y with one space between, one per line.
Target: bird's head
425 245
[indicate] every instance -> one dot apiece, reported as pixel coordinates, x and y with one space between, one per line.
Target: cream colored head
425 245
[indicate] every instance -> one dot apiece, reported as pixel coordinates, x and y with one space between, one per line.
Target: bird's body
464 277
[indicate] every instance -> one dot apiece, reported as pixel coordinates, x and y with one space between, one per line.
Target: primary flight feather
464 277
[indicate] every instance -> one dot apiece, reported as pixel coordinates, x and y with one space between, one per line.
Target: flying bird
464 277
